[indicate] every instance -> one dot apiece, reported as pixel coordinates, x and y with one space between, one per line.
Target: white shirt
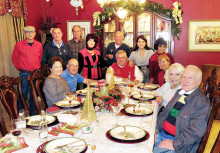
137 73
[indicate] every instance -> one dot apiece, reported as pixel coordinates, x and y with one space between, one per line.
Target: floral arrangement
105 102
108 13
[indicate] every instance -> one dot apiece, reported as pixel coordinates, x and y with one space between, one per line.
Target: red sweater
124 72
154 68
27 57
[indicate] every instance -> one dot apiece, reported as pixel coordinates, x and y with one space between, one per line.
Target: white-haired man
114 47
122 69
182 124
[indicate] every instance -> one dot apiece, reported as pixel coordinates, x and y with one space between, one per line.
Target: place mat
146 137
123 112
64 128
54 109
40 149
8 145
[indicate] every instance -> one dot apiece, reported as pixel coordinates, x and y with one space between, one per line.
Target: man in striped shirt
183 122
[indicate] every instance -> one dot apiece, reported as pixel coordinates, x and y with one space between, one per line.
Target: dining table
99 129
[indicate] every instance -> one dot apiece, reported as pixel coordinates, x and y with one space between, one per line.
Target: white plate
139 110
94 84
133 133
148 86
65 103
81 92
35 120
50 147
120 82
143 96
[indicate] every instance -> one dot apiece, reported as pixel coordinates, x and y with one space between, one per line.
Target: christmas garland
108 13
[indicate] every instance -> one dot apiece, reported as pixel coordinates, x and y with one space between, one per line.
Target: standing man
57 48
72 76
182 124
77 43
26 58
114 47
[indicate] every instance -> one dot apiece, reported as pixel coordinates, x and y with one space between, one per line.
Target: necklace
92 52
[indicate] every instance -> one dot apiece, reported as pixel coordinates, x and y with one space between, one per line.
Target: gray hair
76 26
197 70
119 32
179 69
121 52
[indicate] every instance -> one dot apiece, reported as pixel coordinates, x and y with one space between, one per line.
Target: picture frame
84 24
204 35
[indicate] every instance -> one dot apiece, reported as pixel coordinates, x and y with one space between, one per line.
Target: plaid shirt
75 47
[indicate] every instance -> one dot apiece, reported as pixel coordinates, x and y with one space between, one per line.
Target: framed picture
84 24
204 36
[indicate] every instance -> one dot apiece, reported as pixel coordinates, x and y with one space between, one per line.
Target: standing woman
55 86
160 45
141 55
164 64
90 60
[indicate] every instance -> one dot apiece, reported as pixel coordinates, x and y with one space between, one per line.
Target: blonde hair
178 67
121 52
163 56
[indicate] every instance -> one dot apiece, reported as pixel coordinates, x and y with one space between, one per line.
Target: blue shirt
72 80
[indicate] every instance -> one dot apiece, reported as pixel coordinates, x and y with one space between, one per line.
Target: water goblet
16 130
116 110
70 96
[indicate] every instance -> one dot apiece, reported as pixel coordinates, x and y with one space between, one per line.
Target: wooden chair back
216 146
36 81
9 95
214 111
3 128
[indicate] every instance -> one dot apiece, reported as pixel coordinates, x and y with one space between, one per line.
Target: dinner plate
120 82
67 145
148 87
94 84
65 103
81 92
133 133
139 110
143 96
34 121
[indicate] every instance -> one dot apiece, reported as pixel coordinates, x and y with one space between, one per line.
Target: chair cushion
212 136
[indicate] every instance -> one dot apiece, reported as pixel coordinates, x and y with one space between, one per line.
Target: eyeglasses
76 66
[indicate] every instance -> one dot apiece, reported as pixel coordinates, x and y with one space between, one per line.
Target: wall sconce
76 4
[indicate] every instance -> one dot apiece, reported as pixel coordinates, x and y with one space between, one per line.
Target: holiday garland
108 13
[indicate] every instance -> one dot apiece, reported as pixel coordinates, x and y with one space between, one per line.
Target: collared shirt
27 57
75 47
55 44
184 92
72 80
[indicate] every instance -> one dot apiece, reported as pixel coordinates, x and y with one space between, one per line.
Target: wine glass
70 96
16 130
25 117
116 110
128 92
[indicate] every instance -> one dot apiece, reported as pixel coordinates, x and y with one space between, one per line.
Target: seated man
122 69
72 76
182 124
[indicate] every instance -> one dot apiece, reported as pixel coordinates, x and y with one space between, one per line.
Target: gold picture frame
84 24
204 35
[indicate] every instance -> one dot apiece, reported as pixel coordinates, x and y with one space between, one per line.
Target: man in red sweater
26 58
122 69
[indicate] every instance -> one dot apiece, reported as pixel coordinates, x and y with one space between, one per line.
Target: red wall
193 10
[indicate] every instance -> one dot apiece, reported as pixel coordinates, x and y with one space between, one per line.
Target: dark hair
53 60
143 38
91 36
159 42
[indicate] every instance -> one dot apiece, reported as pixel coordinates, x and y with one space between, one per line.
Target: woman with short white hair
173 79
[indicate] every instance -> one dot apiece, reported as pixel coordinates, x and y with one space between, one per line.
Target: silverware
93 148
69 143
126 136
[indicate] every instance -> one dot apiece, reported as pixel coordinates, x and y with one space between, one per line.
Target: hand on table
166 144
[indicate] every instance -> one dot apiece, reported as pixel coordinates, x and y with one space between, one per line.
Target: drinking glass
128 92
70 96
16 130
116 110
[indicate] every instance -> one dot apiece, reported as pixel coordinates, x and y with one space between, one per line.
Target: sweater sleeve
15 56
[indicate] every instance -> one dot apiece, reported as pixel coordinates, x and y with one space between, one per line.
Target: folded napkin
53 109
65 128
67 118
8 145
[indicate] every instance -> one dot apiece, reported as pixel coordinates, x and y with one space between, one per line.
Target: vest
123 72
91 69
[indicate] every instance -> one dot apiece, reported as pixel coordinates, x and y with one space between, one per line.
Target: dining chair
9 95
216 146
214 111
3 128
36 81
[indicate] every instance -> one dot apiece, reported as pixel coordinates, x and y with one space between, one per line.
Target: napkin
67 118
53 109
8 145
65 128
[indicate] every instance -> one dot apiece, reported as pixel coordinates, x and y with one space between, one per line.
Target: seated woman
90 59
173 79
159 45
164 64
141 55
55 86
